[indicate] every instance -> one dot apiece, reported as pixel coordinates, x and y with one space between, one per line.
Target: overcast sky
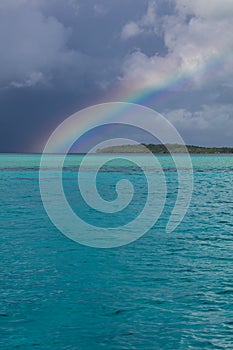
59 56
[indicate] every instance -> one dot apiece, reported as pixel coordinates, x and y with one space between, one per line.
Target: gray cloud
31 44
67 54
213 124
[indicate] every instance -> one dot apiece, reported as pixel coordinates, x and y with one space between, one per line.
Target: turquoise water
164 291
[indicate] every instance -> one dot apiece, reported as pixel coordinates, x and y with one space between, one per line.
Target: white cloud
150 18
130 30
214 9
33 79
147 24
199 58
144 71
198 49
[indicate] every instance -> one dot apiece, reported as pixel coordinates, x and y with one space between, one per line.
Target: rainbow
171 87
150 96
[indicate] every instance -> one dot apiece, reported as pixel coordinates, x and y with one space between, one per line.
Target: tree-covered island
162 149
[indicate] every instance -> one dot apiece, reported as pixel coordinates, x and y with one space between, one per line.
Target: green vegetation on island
163 149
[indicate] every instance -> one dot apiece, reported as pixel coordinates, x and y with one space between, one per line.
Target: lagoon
163 291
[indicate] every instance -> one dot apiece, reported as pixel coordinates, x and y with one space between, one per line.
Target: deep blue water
163 291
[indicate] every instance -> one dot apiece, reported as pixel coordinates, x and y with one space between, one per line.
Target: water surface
164 291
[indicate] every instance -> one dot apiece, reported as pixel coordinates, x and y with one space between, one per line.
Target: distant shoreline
163 149
143 149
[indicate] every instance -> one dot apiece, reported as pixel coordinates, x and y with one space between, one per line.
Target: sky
59 56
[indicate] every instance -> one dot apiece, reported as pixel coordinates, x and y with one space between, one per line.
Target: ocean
162 291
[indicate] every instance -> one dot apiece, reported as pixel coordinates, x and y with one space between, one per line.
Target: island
163 149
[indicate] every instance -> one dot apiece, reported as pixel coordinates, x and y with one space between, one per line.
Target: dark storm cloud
56 57
41 41
59 56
